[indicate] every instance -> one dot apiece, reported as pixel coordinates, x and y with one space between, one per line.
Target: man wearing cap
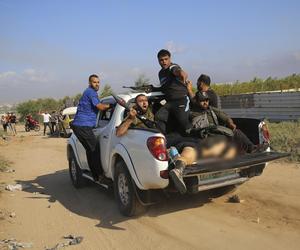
204 117
203 86
84 122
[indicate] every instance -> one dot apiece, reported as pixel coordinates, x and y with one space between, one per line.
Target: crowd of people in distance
8 122
53 121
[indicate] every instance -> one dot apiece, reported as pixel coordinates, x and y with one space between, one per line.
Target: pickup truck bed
205 174
240 162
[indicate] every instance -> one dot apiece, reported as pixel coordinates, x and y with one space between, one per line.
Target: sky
49 48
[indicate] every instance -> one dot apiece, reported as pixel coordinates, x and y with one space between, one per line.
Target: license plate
210 176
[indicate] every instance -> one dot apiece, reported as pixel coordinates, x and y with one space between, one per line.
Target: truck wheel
124 190
75 172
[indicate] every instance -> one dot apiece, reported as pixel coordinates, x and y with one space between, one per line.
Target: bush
258 85
285 137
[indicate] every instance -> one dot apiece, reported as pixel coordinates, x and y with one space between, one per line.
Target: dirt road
50 208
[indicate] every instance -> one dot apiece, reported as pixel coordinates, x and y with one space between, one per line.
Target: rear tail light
265 136
157 147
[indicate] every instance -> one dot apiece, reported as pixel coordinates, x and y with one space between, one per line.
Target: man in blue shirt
84 122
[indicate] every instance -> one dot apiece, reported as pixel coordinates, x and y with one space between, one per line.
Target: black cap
201 96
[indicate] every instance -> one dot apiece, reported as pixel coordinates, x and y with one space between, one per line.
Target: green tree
76 99
258 85
106 91
34 106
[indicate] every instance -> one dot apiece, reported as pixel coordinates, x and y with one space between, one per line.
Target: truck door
104 131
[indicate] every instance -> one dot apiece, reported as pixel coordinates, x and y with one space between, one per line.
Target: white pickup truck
136 165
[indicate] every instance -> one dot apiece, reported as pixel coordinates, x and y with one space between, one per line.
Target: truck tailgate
240 162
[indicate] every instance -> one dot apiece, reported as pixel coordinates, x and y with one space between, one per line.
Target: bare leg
188 155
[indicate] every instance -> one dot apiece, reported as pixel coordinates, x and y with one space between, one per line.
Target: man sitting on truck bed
206 122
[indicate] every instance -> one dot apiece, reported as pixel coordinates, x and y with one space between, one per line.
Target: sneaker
176 176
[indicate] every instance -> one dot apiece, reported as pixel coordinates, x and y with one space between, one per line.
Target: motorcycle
32 125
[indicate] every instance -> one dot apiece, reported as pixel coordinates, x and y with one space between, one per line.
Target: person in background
203 86
46 120
61 127
13 121
53 122
8 119
4 123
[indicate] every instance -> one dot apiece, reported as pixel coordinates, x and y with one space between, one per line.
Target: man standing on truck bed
173 84
84 122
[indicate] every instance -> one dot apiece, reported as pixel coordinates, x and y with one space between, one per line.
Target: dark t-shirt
213 98
171 85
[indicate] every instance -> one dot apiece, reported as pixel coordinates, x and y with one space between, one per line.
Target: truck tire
124 189
75 172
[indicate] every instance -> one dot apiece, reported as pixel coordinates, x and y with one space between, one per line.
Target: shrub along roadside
258 85
285 137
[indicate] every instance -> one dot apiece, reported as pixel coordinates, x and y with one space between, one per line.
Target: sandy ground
269 217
